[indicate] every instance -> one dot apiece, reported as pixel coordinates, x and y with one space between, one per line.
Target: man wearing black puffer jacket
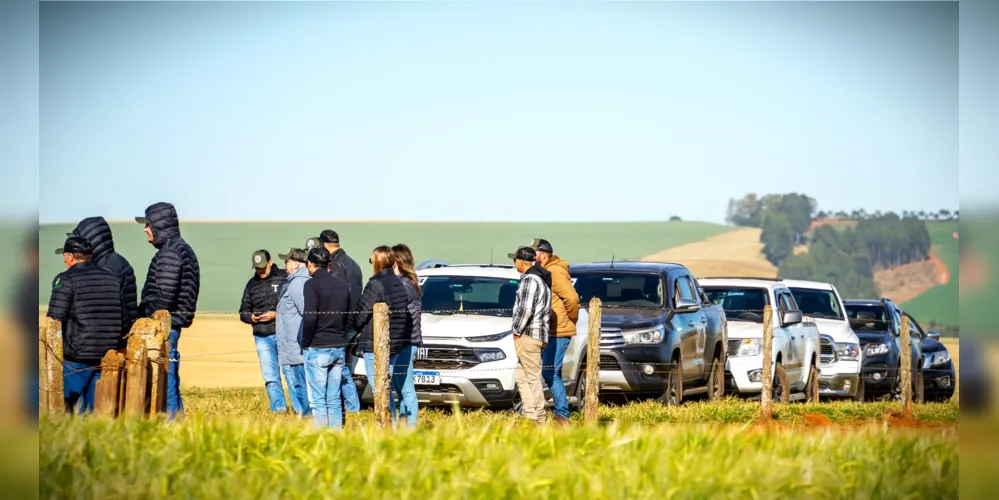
259 308
97 231
88 300
172 284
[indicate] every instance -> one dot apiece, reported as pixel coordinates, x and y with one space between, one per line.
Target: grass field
940 303
224 249
735 253
229 446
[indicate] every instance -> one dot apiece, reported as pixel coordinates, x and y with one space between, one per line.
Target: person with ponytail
402 370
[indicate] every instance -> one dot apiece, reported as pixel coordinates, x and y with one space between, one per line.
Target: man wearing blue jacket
290 308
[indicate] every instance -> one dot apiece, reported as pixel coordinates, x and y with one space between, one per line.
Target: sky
489 111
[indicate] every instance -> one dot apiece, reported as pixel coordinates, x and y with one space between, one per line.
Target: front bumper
839 379
623 369
738 372
939 382
878 377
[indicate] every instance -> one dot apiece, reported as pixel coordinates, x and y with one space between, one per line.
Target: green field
940 303
229 446
224 249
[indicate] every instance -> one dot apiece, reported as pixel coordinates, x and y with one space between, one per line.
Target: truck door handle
703 319
691 322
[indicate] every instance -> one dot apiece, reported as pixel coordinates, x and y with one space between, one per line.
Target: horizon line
386 221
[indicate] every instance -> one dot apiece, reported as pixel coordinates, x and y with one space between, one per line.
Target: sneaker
560 420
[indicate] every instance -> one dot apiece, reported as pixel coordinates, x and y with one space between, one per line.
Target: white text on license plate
426 378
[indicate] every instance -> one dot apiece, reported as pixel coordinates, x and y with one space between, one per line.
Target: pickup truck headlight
487 355
847 351
652 335
750 347
939 358
876 350
489 338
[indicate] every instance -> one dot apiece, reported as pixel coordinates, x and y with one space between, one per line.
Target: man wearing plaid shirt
531 322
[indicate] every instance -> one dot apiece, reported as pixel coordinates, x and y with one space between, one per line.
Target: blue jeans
551 372
267 354
294 376
79 382
348 389
324 369
401 366
174 403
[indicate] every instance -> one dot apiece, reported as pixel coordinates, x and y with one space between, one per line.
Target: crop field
229 446
940 303
224 249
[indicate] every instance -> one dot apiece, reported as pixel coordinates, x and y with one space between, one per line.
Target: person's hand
267 316
254 318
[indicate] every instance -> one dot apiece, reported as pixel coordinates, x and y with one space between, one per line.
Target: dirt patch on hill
735 253
906 282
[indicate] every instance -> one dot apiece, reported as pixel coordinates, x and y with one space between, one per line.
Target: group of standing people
307 319
95 299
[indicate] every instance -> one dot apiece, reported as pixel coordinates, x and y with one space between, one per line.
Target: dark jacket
88 300
97 231
260 296
347 269
388 288
415 309
325 293
174 277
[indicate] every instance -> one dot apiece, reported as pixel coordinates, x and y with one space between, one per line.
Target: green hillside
940 303
224 249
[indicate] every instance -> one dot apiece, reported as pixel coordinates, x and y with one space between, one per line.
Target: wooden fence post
136 371
159 353
381 375
51 399
591 410
906 369
766 392
106 398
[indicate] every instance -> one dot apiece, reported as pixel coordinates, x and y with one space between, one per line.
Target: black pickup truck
658 334
877 324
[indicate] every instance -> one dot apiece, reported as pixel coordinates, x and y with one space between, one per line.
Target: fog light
944 382
846 385
876 376
493 387
648 369
756 376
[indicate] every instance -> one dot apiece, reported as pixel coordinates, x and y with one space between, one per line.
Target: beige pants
529 377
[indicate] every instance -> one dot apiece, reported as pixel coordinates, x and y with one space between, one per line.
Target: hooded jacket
349 271
290 308
260 296
97 231
565 300
173 279
388 288
87 299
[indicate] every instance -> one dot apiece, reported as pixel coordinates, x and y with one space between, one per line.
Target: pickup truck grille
608 363
827 355
733 347
445 357
611 338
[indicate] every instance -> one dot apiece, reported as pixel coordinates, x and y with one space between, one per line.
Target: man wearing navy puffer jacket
97 231
172 284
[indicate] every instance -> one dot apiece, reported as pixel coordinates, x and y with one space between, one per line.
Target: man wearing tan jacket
565 313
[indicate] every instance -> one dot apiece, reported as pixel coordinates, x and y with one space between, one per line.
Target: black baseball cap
329 236
295 254
319 256
260 259
75 244
538 245
525 254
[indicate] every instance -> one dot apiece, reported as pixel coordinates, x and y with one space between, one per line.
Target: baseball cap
75 244
525 254
329 236
261 258
312 243
295 254
538 245
319 256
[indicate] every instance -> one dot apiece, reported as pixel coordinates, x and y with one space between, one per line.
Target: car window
468 294
898 320
914 328
871 318
787 301
621 289
684 289
739 303
817 303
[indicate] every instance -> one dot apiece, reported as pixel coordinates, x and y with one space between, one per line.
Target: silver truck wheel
673 394
716 381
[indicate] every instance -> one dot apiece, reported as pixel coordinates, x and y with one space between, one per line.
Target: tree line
939 215
848 257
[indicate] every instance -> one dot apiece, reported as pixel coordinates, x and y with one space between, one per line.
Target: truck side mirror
687 305
790 318
933 334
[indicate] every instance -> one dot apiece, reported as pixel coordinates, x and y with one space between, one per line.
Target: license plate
426 378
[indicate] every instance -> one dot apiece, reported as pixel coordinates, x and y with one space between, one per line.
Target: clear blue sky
489 111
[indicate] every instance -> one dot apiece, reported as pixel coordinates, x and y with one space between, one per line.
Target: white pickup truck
839 356
795 341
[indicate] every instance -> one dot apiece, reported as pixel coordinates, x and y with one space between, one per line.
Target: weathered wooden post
51 399
766 392
159 353
137 372
381 375
106 398
906 369
591 410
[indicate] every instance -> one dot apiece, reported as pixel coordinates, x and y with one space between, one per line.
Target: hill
939 304
735 253
224 248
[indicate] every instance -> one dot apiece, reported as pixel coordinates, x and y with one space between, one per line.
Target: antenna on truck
612 261
490 256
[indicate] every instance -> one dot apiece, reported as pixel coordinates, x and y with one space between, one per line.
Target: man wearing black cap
172 284
98 232
89 301
531 324
259 308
